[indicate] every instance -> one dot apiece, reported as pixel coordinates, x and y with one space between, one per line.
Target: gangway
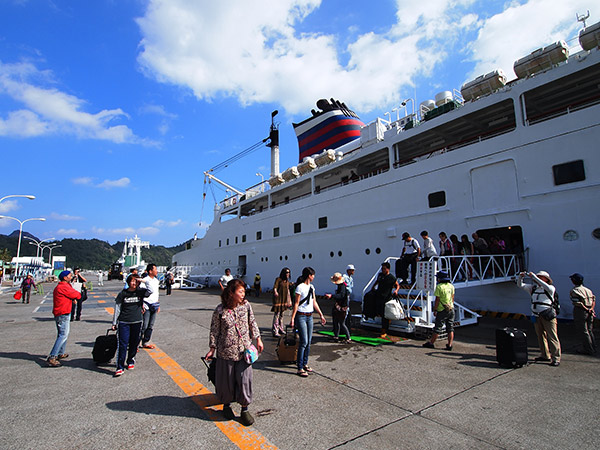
181 278
418 300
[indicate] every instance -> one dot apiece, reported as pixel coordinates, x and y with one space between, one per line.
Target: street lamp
38 243
51 247
21 222
30 197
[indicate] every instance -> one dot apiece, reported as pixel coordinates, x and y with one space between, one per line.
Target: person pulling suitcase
127 320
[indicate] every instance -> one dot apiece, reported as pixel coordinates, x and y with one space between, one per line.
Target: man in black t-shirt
385 283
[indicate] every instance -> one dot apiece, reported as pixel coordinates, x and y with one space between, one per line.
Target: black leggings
339 323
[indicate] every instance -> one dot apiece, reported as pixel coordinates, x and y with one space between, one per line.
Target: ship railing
470 270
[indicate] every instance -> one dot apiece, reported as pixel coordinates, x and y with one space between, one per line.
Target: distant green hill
90 253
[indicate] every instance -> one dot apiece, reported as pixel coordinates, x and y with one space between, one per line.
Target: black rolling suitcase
105 348
511 347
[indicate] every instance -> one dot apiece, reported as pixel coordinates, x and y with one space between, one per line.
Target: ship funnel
274 144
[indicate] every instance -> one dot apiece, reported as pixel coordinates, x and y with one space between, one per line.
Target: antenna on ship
274 144
583 17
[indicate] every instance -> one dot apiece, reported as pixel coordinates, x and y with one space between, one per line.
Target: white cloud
126 231
522 28
106 184
57 216
109 184
50 111
8 205
68 232
261 51
165 223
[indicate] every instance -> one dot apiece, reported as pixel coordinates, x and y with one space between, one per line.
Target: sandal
148 346
302 373
308 369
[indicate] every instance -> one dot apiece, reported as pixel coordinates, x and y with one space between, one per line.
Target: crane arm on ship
222 183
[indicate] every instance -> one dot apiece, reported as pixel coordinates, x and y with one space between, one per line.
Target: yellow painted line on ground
101 301
110 310
96 296
244 438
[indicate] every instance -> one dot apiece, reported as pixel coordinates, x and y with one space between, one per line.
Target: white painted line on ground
36 310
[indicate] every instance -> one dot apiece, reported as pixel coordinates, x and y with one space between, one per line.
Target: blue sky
110 110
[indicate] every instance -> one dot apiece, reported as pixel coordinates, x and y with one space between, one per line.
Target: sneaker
555 363
118 373
246 418
130 366
428 345
302 373
448 347
228 413
53 361
63 356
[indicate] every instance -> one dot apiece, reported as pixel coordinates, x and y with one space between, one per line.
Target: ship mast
274 144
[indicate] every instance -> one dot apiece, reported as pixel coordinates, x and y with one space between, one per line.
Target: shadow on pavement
170 406
40 360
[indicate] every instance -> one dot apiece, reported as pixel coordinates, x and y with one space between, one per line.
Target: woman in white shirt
304 306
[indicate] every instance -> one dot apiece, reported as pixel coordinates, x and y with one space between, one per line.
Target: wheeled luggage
105 348
511 347
287 347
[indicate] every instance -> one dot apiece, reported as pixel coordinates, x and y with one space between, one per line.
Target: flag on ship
328 129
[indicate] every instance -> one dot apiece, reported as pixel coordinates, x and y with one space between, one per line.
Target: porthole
280 258
286 257
367 251
340 253
596 233
331 254
378 250
267 259
570 235
303 256
310 256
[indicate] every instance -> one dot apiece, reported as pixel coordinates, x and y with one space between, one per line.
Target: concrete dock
393 396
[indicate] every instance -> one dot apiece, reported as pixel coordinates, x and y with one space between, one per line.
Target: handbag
77 286
211 367
18 295
548 314
250 352
393 310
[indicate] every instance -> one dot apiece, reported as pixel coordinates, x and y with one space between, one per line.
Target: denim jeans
62 326
129 339
148 324
305 330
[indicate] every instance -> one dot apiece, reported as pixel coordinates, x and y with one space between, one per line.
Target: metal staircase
418 300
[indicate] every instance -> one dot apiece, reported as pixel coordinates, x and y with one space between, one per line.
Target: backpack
555 302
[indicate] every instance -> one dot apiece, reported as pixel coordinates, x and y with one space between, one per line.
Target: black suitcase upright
105 348
511 347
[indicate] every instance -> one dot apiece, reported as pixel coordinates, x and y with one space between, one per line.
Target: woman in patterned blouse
232 330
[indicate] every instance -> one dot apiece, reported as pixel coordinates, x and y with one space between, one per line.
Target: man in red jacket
64 296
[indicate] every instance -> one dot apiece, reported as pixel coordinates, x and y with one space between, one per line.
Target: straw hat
337 278
543 273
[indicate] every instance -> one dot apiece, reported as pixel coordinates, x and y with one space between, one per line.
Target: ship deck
397 395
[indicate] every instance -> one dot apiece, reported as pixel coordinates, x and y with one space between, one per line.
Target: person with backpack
409 257
545 307
340 308
26 286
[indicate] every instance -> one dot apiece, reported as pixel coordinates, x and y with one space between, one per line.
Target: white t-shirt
152 284
225 279
303 289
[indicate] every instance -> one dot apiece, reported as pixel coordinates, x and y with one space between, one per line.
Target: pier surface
398 395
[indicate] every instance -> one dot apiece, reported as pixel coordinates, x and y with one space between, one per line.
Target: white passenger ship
519 160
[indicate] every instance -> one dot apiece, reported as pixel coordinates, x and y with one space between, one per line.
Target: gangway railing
418 300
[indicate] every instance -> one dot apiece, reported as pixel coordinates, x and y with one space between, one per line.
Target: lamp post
21 222
38 243
51 247
30 197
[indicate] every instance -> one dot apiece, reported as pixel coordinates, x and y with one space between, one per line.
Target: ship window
367 251
310 256
243 238
303 256
331 254
227 241
276 232
340 253
236 239
219 242
437 199
576 91
280 258
568 172
286 257
297 227
258 235
596 233
378 250
322 222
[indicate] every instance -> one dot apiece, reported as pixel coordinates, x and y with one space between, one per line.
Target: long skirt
233 381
